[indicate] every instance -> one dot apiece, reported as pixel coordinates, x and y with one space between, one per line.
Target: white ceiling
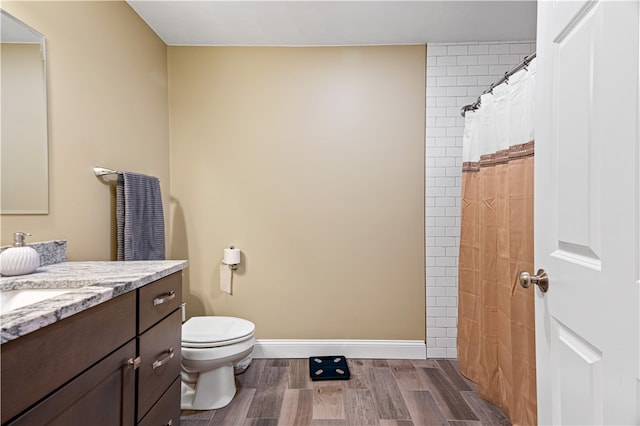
14 31
331 23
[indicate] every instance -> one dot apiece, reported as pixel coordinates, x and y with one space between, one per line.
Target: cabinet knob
134 362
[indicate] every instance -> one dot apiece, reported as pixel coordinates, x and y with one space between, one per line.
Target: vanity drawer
159 299
165 411
40 362
158 369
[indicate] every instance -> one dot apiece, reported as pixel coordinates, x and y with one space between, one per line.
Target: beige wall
311 160
107 89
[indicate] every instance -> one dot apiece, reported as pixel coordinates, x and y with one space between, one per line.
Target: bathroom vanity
106 352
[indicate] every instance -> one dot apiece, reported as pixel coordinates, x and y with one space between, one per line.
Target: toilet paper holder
232 266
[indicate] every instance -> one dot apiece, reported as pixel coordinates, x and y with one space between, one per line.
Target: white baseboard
371 349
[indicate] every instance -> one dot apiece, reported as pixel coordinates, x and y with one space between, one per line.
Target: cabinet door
102 396
35 365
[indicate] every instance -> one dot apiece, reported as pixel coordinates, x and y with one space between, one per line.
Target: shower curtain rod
525 62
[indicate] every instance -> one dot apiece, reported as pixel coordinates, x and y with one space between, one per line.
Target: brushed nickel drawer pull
164 298
163 361
133 362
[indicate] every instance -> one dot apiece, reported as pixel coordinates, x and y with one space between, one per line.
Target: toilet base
209 390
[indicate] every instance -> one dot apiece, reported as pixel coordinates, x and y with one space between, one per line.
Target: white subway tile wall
457 73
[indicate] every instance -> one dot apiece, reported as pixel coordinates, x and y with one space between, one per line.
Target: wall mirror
24 171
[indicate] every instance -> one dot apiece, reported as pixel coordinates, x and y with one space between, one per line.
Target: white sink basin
14 299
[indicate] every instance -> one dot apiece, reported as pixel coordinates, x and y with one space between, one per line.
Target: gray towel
139 216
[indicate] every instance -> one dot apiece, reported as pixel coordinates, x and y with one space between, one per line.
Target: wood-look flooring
380 392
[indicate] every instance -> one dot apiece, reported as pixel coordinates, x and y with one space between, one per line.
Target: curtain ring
506 77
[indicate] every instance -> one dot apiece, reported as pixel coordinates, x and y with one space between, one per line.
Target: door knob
541 279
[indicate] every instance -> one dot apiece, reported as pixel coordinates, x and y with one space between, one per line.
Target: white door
587 194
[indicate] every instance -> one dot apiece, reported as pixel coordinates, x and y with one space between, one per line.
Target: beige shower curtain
496 333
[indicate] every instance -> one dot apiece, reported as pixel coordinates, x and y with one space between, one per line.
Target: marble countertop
91 283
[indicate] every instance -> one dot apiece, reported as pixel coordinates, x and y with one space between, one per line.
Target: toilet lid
215 331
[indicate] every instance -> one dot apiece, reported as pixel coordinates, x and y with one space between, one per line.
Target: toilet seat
212 332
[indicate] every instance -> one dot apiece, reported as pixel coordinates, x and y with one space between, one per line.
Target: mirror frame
27 34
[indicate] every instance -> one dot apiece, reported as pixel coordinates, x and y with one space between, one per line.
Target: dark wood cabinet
165 411
117 363
35 365
104 395
159 341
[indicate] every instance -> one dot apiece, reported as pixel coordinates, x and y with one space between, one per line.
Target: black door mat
329 368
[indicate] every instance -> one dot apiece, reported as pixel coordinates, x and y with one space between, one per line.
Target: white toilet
210 348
